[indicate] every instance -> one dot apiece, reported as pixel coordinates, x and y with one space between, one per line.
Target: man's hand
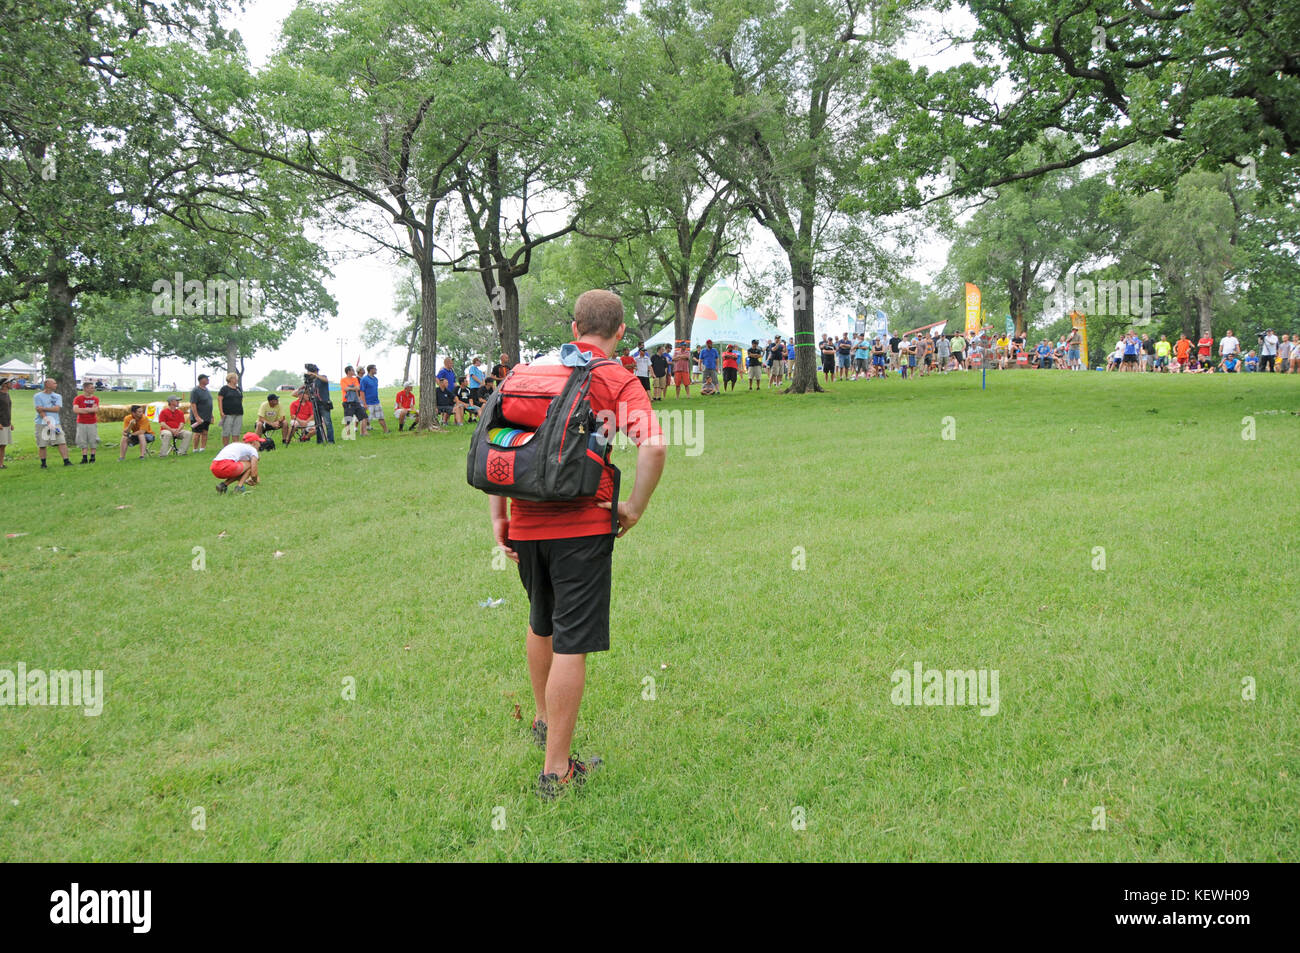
627 516
501 532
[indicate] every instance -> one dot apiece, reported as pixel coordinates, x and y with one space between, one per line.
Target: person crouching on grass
237 463
564 550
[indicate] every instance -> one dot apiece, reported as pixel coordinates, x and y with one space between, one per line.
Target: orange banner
972 308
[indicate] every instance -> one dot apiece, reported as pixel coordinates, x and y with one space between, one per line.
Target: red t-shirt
405 399
88 403
302 409
1203 346
171 419
627 361
615 391
730 360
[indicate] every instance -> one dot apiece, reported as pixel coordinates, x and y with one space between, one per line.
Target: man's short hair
203 377
269 398
598 312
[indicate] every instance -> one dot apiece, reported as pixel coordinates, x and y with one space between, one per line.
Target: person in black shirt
464 400
828 358
659 371
754 365
230 409
447 407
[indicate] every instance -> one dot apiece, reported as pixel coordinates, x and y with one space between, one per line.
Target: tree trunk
683 315
508 321
1203 315
411 337
232 356
60 358
805 364
428 343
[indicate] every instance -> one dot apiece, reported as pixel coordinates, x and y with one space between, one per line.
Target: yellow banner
972 308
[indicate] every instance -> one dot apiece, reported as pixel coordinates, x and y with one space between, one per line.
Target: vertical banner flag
972 308
1011 326
860 320
1079 320
882 325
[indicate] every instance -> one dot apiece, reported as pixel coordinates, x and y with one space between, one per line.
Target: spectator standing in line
659 371
230 408
475 375
200 414
6 420
754 365
370 394
730 367
49 428
682 369
1268 346
87 407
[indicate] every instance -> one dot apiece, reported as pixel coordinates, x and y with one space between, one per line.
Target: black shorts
729 375
354 410
828 363
200 426
645 382
1130 358
568 582
134 439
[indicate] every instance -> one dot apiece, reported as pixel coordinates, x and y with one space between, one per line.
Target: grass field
1120 687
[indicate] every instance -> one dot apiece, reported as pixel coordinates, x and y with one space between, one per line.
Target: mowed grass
1119 688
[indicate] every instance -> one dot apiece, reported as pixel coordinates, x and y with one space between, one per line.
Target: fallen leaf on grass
124 506
518 715
222 535
277 554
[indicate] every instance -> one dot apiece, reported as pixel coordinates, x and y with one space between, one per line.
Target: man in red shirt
405 405
1203 348
302 416
87 405
564 549
171 428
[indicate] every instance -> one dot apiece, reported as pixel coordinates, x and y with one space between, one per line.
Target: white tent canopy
17 368
721 317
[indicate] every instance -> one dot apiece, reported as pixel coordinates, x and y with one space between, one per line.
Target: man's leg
539 670
165 442
568 676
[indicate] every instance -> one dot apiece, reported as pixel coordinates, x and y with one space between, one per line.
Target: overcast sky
363 284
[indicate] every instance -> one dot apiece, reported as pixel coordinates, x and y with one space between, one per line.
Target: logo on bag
500 467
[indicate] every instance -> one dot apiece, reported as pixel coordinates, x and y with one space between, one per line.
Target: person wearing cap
237 463
6 420
405 401
171 428
270 417
709 366
87 407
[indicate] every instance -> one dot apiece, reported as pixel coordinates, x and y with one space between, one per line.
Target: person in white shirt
1229 345
1268 352
237 463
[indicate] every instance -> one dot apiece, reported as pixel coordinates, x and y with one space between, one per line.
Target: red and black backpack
568 451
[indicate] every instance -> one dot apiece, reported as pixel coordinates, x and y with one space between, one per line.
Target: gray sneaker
551 786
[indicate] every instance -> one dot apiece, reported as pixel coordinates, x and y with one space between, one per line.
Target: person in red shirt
564 549
1203 348
171 428
302 416
87 406
627 360
406 405
730 367
1182 352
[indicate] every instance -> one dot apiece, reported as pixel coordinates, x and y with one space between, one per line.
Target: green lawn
1119 688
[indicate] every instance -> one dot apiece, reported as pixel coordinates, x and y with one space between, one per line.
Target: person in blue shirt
447 374
1251 362
709 365
475 374
49 427
370 396
1044 352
